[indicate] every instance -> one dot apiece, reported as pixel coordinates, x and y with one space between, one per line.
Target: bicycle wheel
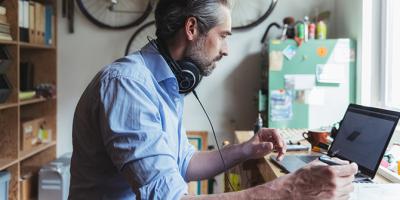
248 14
139 38
115 14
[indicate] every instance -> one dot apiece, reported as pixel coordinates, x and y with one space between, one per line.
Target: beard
196 54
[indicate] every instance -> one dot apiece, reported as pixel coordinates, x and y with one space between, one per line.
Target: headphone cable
215 138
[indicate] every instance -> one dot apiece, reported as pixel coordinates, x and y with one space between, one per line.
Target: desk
270 171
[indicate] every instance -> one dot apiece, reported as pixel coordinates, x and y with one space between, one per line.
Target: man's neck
176 47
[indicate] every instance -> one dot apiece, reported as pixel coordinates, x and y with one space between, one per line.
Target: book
3 10
3 19
48 25
5 36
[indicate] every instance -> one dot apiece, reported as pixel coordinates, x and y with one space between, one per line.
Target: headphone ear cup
189 78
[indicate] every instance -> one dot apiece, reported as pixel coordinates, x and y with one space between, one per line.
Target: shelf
26 154
8 105
7 42
25 45
5 163
15 110
34 100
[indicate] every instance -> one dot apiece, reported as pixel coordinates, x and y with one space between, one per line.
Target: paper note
342 52
365 191
316 97
331 73
275 61
289 52
281 105
300 96
300 81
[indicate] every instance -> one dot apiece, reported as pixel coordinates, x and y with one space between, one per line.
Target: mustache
218 58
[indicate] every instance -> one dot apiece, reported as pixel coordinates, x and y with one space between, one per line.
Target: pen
329 160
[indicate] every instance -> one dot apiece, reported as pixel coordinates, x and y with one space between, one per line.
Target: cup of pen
319 139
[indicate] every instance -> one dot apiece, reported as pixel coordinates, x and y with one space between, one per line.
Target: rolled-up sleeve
187 153
134 139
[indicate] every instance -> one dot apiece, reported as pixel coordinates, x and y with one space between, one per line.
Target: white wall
360 20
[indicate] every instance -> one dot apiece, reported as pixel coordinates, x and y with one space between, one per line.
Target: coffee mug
315 137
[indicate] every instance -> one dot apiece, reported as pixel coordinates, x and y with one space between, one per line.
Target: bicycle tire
254 20
83 6
145 28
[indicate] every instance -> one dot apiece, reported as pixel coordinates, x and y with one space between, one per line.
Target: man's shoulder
131 67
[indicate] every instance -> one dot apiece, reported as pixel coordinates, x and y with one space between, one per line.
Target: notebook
364 191
362 138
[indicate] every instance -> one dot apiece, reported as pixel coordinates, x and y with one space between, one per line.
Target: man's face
209 48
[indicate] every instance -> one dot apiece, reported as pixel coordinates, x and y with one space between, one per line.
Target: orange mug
315 137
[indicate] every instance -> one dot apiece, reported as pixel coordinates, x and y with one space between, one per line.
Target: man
128 137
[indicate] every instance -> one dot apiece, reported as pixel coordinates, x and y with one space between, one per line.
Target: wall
360 20
228 94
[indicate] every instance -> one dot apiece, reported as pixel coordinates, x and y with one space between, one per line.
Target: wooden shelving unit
14 111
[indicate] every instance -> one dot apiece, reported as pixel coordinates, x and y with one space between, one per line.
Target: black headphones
186 72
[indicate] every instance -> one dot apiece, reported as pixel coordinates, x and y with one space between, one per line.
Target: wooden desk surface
270 171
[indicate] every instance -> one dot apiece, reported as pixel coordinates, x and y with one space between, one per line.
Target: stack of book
4 25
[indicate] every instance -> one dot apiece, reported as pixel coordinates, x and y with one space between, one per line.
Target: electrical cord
215 138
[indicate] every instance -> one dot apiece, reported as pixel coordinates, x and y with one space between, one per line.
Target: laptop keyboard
292 134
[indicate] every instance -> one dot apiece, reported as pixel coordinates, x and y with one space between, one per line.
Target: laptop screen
363 136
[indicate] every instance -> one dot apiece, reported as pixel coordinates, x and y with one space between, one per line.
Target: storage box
4 184
29 133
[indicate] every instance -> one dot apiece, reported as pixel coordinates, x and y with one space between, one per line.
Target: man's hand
320 181
264 142
315 181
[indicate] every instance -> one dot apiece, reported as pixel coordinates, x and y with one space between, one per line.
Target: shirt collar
156 63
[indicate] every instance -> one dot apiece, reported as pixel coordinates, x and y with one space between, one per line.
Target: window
391 52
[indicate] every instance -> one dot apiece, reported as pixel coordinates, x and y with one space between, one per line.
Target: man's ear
191 29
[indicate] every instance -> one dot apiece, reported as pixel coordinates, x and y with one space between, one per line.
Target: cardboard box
29 133
26 186
28 182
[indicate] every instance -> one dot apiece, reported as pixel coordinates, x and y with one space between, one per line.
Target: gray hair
171 15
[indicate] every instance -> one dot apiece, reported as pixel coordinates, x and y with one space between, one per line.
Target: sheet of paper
289 52
331 73
300 81
364 191
281 105
275 60
316 97
342 51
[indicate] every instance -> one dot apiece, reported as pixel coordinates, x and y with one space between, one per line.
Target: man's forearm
279 189
207 164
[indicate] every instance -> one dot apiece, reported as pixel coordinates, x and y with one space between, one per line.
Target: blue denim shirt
128 139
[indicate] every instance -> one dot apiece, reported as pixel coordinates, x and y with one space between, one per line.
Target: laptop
363 137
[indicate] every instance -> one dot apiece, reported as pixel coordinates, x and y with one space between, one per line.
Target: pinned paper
289 52
275 41
342 52
275 61
316 97
331 73
299 81
300 96
322 51
281 105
